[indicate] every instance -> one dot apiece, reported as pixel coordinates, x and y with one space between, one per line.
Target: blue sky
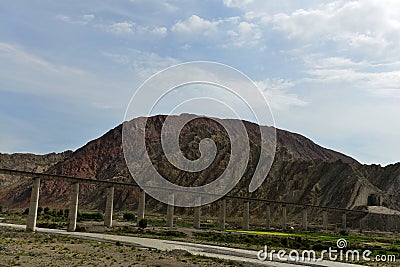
330 69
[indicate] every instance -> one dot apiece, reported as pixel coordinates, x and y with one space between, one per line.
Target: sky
330 70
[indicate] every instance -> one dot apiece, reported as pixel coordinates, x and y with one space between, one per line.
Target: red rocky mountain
302 171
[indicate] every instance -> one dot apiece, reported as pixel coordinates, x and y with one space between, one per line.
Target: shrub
173 233
46 210
90 216
53 213
60 213
142 223
344 232
39 210
26 211
129 216
1 208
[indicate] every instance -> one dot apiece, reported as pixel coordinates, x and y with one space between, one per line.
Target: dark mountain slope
302 172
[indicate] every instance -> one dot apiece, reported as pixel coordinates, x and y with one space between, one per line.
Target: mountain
302 171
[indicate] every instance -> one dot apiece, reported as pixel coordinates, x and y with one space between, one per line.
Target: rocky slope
28 162
302 172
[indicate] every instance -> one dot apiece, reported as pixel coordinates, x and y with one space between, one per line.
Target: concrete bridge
73 209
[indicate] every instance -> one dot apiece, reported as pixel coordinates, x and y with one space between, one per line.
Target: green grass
253 239
377 244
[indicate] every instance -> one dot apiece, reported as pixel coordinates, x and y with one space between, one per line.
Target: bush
129 216
90 216
1 208
46 210
173 233
344 232
60 213
142 223
39 210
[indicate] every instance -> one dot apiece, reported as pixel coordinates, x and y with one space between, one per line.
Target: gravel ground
20 248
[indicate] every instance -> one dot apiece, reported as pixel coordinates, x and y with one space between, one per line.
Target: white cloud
242 32
338 62
128 28
24 72
88 17
160 31
368 27
237 3
373 78
121 28
143 64
83 20
17 56
276 92
223 32
246 34
196 25
261 18
63 18
169 6
147 64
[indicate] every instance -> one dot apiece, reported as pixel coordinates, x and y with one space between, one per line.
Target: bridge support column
246 215
109 206
284 217
222 214
141 205
170 212
325 219
268 215
305 219
33 206
197 213
73 208
344 222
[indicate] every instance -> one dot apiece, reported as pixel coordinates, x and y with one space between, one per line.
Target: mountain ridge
302 172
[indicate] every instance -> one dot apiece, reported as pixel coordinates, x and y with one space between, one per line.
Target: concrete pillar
325 219
268 215
109 206
73 208
344 223
222 214
246 215
170 212
197 212
284 217
33 206
141 205
305 219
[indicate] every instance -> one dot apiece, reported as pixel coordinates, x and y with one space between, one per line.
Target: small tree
142 223
46 210
129 216
60 213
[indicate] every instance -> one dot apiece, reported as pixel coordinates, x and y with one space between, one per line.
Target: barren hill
302 172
